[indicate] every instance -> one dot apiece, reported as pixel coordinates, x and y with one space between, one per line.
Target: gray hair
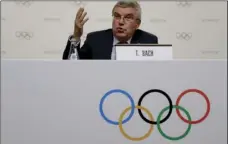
129 3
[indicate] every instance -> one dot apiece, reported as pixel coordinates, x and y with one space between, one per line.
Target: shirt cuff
74 41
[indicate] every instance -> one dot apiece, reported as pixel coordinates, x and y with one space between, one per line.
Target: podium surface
84 102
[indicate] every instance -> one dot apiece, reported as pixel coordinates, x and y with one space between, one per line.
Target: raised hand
79 23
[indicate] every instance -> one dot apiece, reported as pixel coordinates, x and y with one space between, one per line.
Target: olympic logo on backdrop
25 3
183 35
183 3
24 35
80 3
151 119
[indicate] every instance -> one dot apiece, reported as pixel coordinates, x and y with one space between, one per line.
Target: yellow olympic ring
135 138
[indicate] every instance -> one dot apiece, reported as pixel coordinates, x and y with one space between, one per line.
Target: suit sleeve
66 51
156 40
84 52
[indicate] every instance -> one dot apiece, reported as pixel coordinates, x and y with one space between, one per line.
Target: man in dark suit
100 44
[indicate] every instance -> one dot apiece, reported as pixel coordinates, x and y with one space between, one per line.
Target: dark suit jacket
99 44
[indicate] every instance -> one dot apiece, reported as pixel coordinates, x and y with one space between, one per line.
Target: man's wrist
76 38
73 39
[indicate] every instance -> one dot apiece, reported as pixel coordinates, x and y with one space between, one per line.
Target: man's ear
138 23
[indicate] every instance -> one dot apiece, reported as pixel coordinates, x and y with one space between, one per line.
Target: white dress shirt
116 41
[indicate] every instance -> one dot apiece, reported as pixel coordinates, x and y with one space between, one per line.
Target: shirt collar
115 41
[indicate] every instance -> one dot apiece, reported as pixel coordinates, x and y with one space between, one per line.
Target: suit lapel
107 44
135 38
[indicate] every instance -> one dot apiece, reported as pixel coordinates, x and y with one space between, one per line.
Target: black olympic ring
170 106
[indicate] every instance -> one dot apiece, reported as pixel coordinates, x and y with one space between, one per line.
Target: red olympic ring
202 94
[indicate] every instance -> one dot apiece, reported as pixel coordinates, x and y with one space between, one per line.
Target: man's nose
121 21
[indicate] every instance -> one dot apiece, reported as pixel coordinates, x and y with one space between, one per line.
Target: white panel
58 102
51 22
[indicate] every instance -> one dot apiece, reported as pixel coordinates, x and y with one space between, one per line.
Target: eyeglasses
128 18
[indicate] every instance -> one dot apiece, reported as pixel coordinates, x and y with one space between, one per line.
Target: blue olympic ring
124 93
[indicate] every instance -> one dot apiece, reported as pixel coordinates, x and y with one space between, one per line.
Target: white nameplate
144 52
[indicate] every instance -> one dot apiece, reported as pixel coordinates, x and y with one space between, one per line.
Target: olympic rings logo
24 35
185 3
26 3
184 35
80 3
151 120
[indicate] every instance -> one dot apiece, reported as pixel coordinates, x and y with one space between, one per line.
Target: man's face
124 23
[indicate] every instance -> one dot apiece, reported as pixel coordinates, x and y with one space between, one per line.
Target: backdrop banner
110 102
33 29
